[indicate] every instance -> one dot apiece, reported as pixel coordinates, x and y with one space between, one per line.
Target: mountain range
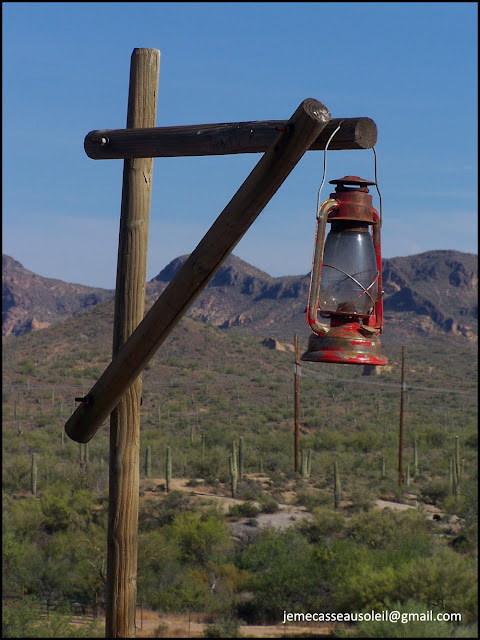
432 293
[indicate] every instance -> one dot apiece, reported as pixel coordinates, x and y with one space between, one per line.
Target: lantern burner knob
354 181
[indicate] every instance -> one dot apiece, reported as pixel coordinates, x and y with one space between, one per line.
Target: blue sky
411 67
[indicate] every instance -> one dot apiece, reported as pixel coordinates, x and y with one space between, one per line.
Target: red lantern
346 279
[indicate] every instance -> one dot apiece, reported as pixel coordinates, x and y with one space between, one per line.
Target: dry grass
182 626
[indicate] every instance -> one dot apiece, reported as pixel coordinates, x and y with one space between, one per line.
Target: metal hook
325 167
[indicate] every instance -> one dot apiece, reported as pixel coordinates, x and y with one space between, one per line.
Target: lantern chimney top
342 184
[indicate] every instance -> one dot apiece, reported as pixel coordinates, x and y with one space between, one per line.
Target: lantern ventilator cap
353 181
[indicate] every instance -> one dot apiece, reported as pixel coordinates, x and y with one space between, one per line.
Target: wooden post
296 393
121 591
234 221
400 437
220 139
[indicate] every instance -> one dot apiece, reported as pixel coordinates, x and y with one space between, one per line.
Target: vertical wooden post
121 588
400 436
297 403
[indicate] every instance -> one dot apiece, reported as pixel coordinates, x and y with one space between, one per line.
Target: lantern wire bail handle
313 292
325 168
376 185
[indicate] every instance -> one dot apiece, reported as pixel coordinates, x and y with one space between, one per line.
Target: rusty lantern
346 279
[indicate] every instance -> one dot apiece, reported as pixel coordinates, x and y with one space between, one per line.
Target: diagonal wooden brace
265 179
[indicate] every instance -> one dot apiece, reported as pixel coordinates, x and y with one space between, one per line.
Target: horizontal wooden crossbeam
219 139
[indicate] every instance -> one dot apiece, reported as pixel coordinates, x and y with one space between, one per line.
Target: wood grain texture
220 139
217 244
121 592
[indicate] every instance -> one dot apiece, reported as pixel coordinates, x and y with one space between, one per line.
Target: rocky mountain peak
430 293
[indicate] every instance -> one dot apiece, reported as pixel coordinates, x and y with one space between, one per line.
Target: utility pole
121 587
296 393
400 436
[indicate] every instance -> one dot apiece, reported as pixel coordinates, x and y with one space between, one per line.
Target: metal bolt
101 140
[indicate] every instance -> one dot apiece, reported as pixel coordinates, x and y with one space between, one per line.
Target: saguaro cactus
457 459
168 469
232 460
452 476
241 457
415 459
148 462
407 481
33 474
306 463
233 476
337 486
384 475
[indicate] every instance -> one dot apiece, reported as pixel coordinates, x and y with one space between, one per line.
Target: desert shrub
285 573
311 498
26 367
249 489
223 628
472 440
243 510
331 441
413 627
362 498
379 529
21 620
200 537
62 506
365 441
446 580
16 473
325 523
268 504
435 491
367 580
435 438
153 514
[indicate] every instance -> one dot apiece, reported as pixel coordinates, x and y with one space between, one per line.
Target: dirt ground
181 626
285 517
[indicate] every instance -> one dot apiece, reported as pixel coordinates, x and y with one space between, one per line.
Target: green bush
21 620
243 510
415 624
285 573
268 504
312 498
199 537
325 523
362 498
379 529
435 491
223 628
